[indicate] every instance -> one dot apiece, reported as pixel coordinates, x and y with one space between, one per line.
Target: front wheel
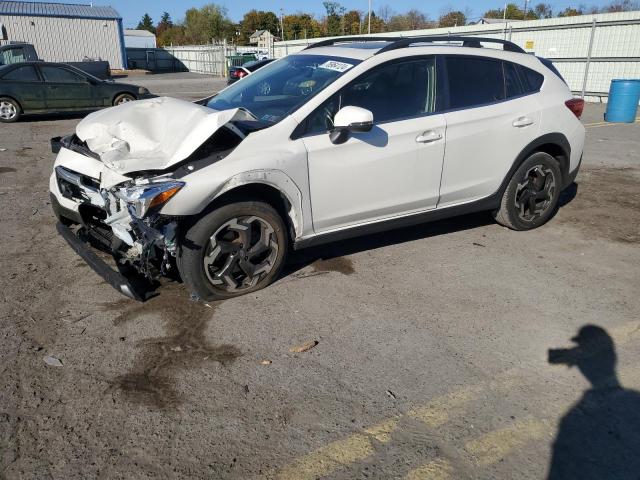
9 110
532 194
123 98
236 249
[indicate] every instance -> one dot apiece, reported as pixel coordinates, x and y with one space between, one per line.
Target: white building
64 32
263 39
139 39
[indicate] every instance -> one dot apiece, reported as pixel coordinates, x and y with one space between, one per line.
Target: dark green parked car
39 87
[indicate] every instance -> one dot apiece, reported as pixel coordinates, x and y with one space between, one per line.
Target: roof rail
333 41
474 42
403 42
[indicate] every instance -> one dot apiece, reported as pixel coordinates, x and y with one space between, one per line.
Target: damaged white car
345 138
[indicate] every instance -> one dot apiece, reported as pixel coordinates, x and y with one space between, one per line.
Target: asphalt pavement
432 358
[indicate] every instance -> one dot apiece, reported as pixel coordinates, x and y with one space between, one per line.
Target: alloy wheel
241 253
7 110
534 195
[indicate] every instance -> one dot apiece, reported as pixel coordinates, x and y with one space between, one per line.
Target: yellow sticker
529 44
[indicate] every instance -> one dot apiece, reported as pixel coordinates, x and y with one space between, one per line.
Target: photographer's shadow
599 438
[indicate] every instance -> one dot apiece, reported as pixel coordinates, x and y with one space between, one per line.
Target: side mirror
350 120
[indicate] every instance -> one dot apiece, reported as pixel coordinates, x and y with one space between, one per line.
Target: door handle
428 137
522 122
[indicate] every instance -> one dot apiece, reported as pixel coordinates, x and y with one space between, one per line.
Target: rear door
24 84
390 171
66 88
491 118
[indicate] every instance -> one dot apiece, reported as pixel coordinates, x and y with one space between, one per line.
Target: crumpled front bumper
116 279
141 248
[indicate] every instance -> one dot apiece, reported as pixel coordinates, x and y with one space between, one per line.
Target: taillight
241 73
576 105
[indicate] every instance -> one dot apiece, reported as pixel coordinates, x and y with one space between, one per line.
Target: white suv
347 137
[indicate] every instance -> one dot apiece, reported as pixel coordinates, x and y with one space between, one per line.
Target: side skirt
489 203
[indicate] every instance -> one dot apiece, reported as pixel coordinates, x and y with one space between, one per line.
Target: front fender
271 177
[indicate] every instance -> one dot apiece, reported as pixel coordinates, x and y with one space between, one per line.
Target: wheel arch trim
275 179
556 139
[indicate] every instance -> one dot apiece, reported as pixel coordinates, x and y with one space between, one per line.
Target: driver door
66 89
392 170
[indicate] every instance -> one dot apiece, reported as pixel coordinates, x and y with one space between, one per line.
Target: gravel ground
431 359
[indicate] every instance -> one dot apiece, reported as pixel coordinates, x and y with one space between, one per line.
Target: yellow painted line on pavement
487 449
602 124
328 459
494 446
438 411
438 469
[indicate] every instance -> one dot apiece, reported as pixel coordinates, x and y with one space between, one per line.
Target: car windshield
280 88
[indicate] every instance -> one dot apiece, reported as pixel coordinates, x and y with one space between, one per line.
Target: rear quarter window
533 80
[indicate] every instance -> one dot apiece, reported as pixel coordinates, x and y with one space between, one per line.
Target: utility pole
369 17
282 23
526 5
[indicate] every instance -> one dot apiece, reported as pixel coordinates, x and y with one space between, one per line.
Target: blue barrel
622 105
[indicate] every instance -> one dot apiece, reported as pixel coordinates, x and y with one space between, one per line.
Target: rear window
22 74
474 81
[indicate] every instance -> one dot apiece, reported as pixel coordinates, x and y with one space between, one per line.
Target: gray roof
257 33
138 33
42 9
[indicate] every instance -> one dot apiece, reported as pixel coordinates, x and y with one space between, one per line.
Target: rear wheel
532 194
236 249
123 98
9 110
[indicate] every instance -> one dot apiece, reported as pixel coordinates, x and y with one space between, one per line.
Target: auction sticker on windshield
336 66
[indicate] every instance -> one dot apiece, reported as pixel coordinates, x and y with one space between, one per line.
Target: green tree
513 13
206 24
335 11
570 12
301 25
146 24
452 19
543 10
377 24
164 24
257 20
352 22
621 6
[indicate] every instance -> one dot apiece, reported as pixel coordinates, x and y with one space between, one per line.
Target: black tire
10 110
123 98
531 196
197 244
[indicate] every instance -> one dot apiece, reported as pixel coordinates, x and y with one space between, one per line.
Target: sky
132 10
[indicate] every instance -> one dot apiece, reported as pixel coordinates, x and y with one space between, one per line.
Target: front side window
22 74
280 88
393 91
474 81
60 75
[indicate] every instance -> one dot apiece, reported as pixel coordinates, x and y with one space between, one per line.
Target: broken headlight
143 198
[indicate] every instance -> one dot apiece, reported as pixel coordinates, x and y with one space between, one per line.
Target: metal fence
207 59
589 51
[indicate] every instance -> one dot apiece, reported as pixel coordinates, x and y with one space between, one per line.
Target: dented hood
152 134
